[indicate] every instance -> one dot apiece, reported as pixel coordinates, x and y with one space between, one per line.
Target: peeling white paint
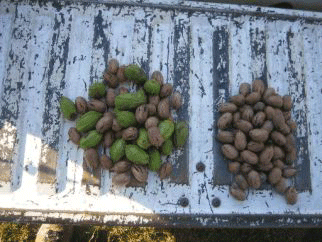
5 23
86 62
201 119
240 54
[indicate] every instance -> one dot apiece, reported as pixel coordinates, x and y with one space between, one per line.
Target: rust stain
8 134
47 166
91 177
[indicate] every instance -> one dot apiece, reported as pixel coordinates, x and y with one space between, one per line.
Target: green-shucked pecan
117 149
137 155
155 160
97 90
167 147
88 121
180 134
125 119
152 87
91 140
67 107
128 101
166 128
135 73
143 139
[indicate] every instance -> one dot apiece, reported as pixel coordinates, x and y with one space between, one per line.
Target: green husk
135 73
68 108
137 155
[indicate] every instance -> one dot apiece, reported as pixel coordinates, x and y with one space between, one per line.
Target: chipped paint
205 50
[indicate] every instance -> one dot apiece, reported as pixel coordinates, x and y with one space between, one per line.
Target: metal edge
166 220
234 10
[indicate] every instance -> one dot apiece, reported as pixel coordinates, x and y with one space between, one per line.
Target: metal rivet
184 202
200 166
216 202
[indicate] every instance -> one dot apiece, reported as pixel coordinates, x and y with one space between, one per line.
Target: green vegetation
27 232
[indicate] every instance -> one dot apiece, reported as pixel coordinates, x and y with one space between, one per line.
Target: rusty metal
183 202
200 167
216 202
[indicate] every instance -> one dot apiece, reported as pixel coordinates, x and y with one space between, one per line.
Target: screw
216 202
184 202
200 166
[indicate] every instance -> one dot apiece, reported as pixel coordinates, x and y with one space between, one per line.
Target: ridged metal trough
50 49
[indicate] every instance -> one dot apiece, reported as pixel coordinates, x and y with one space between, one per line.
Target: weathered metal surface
205 50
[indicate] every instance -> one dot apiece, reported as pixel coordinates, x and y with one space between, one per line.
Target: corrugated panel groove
202 101
51 129
100 56
141 44
78 68
276 55
220 39
7 131
312 41
36 89
162 44
15 88
258 48
240 53
181 72
297 89
101 46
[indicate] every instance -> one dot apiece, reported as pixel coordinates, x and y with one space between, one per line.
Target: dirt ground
27 232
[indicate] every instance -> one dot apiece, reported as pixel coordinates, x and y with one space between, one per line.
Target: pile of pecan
257 133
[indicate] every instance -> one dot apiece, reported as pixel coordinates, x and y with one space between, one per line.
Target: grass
129 234
18 232
27 232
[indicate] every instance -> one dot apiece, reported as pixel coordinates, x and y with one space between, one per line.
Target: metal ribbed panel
221 68
29 133
181 71
50 51
8 131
